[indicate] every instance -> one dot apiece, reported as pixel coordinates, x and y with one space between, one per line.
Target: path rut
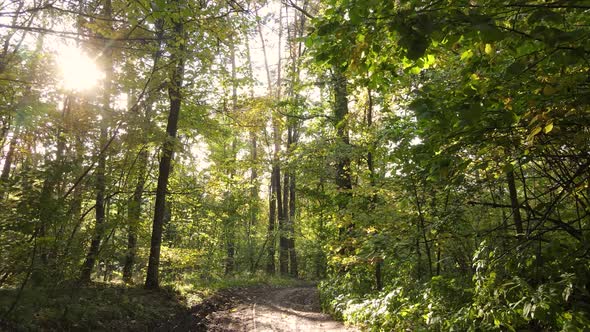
274 309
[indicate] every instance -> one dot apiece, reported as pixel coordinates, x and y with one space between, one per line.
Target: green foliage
468 93
100 307
418 307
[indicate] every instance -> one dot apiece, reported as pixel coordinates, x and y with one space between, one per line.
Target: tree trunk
343 177
289 207
438 261
253 198
296 50
275 201
99 209
5 56
291 245
5 176
321 259
422 231
175 96
134 206
48 205
230 229
283 259
270 263
372 180
254 186
514 203
134 217
93 251
284 228
230 233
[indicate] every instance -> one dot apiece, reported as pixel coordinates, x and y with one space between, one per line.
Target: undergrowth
494 298
95 307
115 307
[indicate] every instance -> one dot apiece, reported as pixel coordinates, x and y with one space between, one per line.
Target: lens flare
78 71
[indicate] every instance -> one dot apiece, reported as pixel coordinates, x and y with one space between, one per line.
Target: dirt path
273 309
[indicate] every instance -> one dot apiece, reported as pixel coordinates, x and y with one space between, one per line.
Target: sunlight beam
78 71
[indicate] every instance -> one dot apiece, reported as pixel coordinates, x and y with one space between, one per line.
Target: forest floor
261 308
255 304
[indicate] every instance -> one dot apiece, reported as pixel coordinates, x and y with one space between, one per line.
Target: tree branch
290 3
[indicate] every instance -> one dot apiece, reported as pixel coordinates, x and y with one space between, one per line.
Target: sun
78 71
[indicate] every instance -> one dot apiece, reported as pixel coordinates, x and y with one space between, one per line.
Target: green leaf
544 15
489 33
309 42
548 128
417 47
466 55
534 133
515 69
355 15
549 90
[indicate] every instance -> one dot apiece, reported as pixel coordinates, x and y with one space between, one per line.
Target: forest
424 162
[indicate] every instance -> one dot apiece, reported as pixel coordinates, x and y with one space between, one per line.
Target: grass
194 290
115 307
96 307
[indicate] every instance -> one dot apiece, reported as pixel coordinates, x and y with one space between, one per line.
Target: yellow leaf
489 49
371 230
548 128
508 103
535 131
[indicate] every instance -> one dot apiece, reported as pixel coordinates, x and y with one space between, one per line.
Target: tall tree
100 173
177 47
274 188
254 181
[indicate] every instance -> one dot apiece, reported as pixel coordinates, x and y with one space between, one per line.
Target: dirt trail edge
261 309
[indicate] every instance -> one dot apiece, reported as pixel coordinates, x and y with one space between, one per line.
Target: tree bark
514 203
230 233
230 222
275 191
291 245
296 50
284 228
100 214
270 263
175 96
5 176
254 186
343 177
372 180
134 206
134 217
421 225
253 197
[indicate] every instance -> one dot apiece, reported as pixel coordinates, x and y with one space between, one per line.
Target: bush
496 299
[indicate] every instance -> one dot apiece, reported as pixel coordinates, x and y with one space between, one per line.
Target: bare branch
290 3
